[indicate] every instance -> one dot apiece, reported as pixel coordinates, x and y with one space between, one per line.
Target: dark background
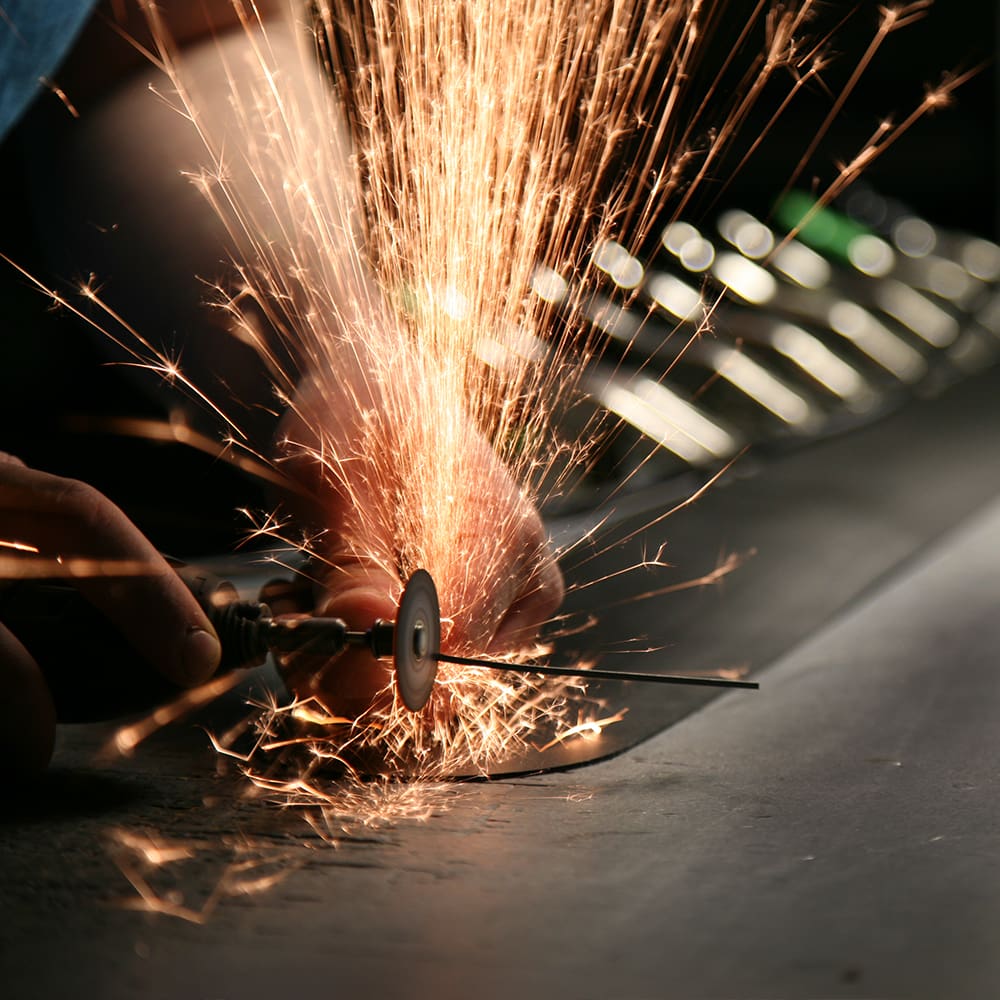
945 168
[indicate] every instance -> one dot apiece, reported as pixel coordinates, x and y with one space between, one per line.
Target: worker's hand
497 580
71 525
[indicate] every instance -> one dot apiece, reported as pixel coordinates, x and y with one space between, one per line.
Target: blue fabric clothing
35 36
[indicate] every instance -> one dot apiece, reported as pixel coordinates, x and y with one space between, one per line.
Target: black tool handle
92 671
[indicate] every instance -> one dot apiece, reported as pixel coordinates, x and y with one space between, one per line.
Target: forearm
114 191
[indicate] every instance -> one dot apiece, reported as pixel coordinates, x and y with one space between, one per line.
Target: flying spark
393 257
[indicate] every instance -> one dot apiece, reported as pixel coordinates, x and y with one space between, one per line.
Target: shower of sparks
484 718
396 259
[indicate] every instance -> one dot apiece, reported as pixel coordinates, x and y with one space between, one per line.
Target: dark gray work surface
835 835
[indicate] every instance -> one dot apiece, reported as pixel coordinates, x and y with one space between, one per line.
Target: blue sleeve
35 35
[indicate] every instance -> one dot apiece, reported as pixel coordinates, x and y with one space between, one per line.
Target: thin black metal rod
603 675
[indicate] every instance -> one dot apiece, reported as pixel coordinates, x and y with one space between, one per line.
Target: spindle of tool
248 631
90 668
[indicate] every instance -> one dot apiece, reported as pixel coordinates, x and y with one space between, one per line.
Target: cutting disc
417 640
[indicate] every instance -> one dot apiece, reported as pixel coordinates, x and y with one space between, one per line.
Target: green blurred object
827 231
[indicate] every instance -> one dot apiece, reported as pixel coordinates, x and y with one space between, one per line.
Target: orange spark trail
395 254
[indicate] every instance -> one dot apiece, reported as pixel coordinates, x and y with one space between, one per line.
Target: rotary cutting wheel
417 640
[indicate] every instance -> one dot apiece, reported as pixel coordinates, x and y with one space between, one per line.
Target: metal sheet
834 837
